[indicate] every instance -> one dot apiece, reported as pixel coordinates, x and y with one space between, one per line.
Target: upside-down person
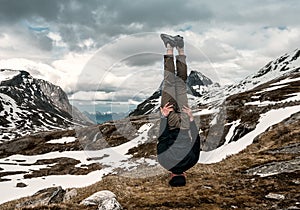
178 145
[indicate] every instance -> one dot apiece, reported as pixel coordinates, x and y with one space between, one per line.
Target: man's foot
179 42
168 39
173 41
177 180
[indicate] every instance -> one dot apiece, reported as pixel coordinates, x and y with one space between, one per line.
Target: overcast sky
106 49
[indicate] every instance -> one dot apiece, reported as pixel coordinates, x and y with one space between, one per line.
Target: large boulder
105 200
44 197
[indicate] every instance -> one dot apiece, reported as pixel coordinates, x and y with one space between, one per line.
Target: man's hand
188 111
165 111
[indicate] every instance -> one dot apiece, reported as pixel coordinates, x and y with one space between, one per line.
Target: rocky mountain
284 64
197 85
235 110
249 158
30 105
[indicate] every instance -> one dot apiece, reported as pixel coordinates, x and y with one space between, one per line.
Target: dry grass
223 185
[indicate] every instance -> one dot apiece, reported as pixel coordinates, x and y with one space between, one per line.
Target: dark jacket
178 150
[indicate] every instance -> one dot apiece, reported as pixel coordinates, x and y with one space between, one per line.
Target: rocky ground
253 179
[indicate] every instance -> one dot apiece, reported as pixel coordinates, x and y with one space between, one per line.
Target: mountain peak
29 105
7 74
284 63
196 86
197 83
296 55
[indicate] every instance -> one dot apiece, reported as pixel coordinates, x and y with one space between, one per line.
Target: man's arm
194 131
193 127
163 128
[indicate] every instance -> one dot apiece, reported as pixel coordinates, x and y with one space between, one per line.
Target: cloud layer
112 48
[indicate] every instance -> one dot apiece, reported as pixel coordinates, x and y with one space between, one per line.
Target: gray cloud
157 13
14 10
145 59
233 35
77 20
102 21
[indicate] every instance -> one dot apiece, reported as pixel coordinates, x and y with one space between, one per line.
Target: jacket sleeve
163 129
163 137
194 131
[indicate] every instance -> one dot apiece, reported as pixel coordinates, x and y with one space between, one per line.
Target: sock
180 51
169 49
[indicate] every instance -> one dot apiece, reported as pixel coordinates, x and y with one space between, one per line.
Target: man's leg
169 92
181 92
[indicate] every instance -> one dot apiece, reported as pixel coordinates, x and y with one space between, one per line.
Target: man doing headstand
178 145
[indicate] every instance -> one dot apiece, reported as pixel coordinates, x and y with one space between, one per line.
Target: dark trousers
174 90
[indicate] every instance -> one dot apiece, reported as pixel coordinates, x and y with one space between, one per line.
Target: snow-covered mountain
284 64
37 70
197 85
212 95
30 105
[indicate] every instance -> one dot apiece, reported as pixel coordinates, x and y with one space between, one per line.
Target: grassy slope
223 185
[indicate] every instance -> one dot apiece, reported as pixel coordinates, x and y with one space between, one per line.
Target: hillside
253 179
250 158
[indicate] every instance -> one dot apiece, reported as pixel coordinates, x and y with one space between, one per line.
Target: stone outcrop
105 200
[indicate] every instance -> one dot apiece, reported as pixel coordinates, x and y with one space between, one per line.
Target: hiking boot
168 39
179 41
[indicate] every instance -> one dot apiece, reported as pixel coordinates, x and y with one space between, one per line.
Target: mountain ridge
29 105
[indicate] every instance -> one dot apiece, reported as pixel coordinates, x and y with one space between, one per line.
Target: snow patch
291 97
6 74
231 130
266 120
272 88
62 140
112 158
287 80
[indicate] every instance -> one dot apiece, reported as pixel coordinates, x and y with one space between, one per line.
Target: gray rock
293 207
60 99
44 197
98 198
276 167
69 195
291 148
21 184
105 200
110 204
275 196
39 104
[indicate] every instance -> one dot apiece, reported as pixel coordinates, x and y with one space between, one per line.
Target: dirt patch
9 173
143 150
61 166
37 144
